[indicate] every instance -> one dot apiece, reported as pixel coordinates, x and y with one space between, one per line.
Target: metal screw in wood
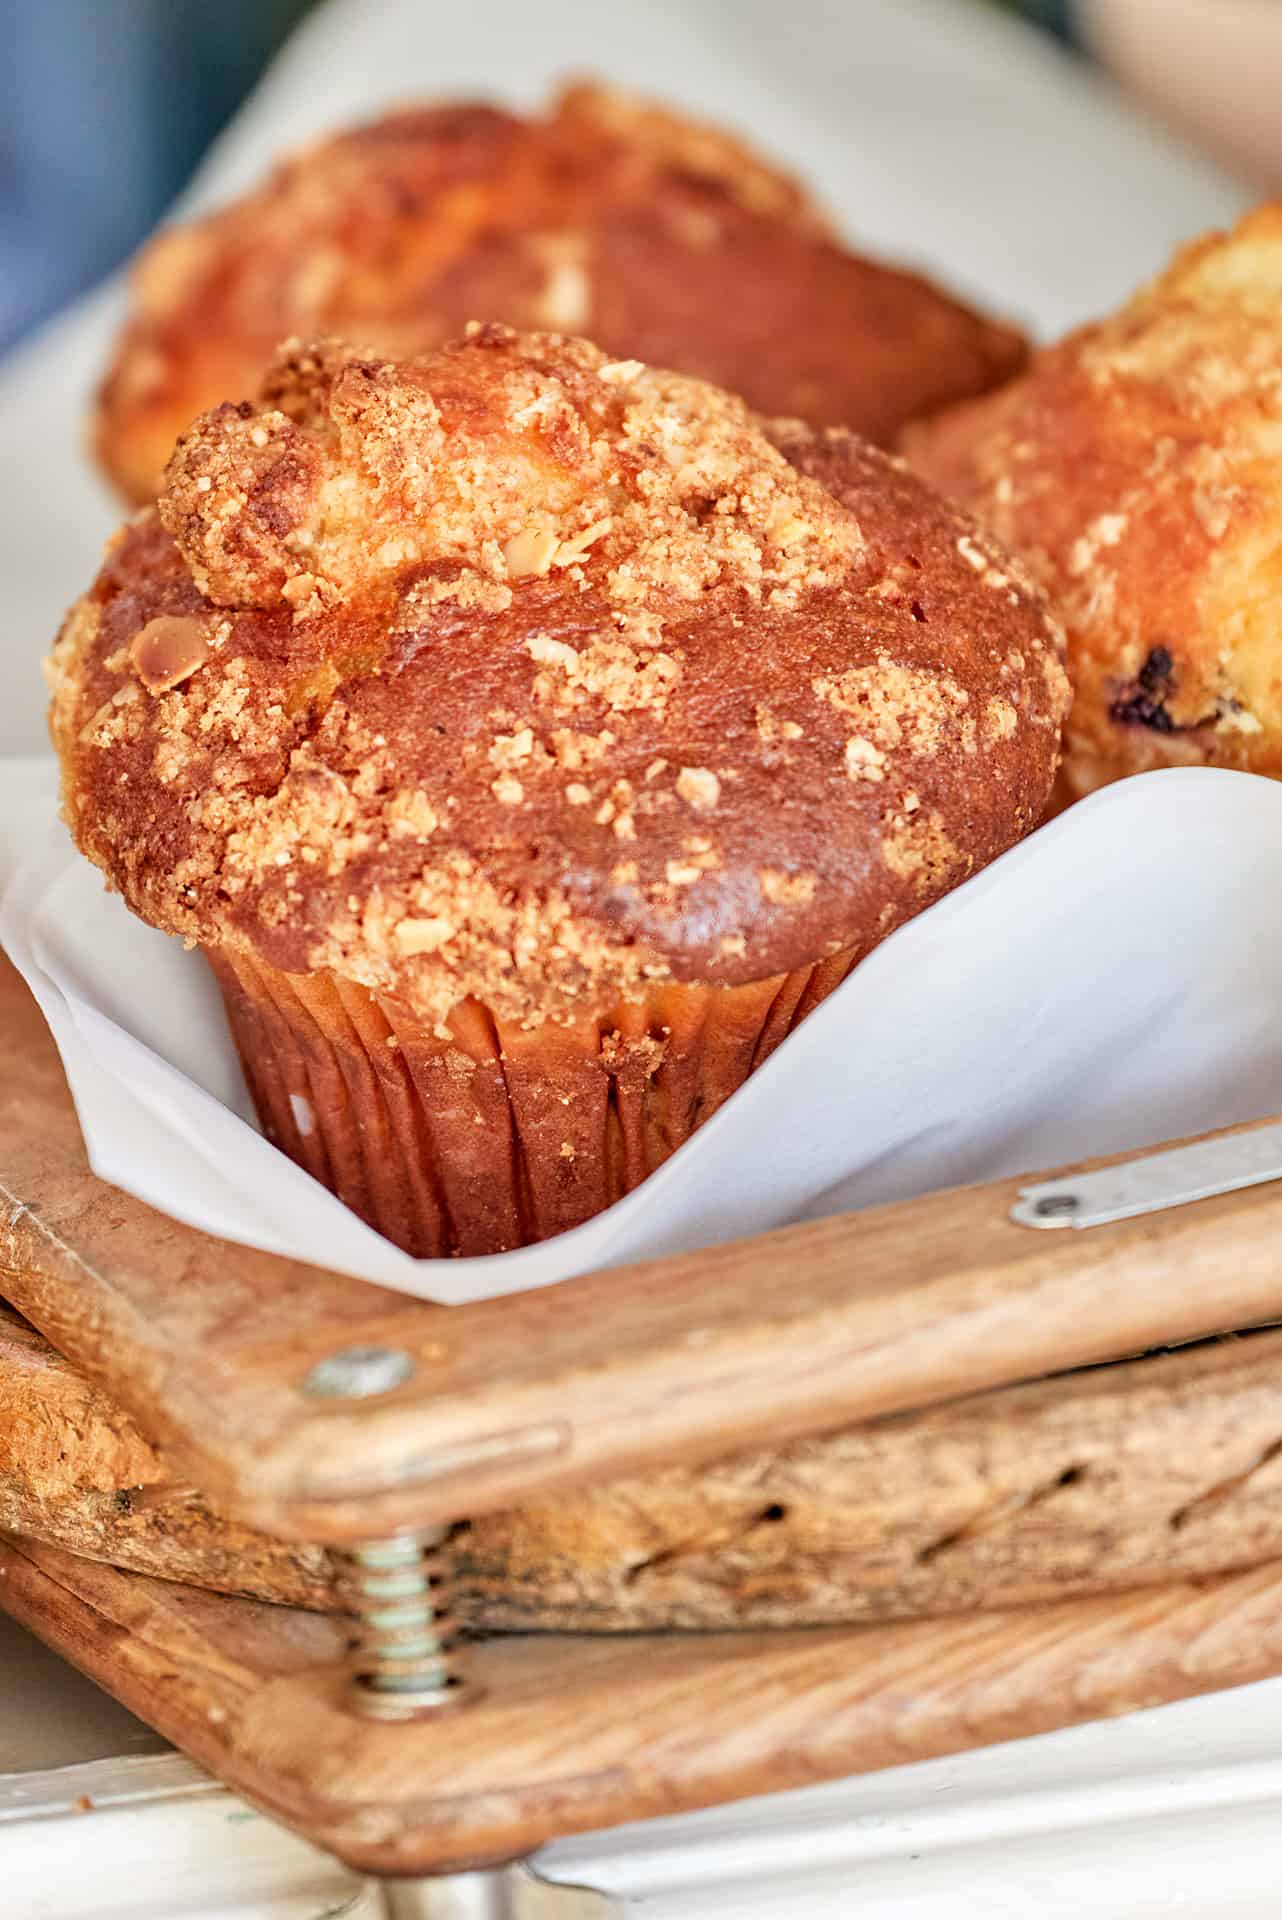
358 1373
402 1663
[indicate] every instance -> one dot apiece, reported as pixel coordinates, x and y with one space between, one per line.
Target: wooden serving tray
569 1734
728 1380
1116 1477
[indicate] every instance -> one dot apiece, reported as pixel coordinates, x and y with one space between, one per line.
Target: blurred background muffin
1137 469
653 234
531 738
179 68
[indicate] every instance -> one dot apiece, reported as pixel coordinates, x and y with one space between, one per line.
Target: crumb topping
505 459
516 672
787 889
893 702
699 788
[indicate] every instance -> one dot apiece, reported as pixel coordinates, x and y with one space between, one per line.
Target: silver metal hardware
1154 1181
402 1666
497 1893
355 1373
401 1661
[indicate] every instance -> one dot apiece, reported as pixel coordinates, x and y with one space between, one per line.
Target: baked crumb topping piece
505 459
664 239
515 671
1136 470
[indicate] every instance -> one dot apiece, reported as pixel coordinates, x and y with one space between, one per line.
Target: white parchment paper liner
1115 980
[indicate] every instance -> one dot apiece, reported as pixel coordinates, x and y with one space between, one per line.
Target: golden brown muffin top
1137 468
658 237
518 671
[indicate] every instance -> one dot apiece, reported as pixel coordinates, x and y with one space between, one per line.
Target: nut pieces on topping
168 650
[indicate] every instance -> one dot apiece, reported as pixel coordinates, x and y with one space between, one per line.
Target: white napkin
1112 981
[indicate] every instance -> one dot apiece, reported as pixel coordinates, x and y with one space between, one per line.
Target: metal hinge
1155 1181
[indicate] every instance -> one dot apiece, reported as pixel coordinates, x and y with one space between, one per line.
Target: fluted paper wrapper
1113 981
479 1135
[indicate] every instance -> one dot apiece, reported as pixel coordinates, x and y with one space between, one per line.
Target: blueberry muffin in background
661 238
1136 468
530 739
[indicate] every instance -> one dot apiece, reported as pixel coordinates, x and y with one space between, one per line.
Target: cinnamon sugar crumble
422 936
920 850
512 749
787 889
609 670
989 572
577 751
864 761
467 588
529 460
411 816
898 705
771 729
699 788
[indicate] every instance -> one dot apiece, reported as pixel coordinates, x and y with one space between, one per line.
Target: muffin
530 739
658 237
1137 469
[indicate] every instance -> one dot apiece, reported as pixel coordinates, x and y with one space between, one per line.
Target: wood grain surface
670 1362
1094 1482
76 1471
1090 1482
568 1734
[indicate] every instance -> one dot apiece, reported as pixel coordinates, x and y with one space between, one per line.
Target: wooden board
1090 1482
567 1735
667 1362
76 1471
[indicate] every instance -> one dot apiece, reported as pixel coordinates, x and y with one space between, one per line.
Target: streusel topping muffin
530 738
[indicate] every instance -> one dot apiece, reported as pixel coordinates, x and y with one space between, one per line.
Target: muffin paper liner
486 1136
1113 981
